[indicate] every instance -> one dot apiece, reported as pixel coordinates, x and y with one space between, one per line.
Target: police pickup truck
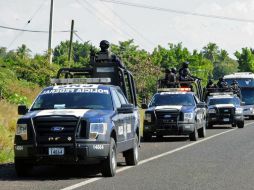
224 108
175 112
81 120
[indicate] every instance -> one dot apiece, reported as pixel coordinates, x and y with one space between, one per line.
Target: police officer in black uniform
222 84
170 78
235 87
210 84
184 72
104 45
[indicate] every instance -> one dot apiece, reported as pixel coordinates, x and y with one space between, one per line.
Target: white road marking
75 186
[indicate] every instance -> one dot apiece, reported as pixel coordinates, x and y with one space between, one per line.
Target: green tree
171 57
80 54
23 52
210 51
245 59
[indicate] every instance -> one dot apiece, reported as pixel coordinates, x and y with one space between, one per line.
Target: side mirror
126 108
201 105
22 109
144 106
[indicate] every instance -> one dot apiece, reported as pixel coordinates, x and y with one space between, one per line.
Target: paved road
223 160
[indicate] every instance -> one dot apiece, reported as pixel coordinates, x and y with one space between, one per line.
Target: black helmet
104 45
167 70
185 64
173 70
234 82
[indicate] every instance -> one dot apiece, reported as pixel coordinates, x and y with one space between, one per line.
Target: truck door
128 118
119 122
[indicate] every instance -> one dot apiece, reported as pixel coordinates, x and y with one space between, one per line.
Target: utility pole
71 39
50 31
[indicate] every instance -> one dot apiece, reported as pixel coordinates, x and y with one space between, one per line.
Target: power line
117 30
28 22
178 11
131 27
76 34
32 31
37 11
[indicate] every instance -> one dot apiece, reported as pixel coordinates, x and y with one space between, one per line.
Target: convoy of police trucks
89 115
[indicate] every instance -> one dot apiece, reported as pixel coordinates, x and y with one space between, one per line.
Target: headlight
238 110
97 129
188 116
211 111
22 131
148 117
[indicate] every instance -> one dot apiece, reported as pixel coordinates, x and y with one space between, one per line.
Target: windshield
73 101
214 101
248 96
172 99
243 82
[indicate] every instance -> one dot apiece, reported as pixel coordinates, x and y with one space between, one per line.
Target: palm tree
211 51
23 52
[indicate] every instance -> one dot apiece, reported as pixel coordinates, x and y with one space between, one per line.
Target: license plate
226 119
56 151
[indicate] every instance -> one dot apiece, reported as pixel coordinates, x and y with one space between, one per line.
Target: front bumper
179 129
220 119
83 153
248 112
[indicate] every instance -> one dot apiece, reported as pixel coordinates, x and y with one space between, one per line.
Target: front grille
167 118
226 113
55 129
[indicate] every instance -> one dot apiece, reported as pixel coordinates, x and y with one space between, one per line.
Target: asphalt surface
222 160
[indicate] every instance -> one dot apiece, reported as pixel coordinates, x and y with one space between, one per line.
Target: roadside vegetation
22 76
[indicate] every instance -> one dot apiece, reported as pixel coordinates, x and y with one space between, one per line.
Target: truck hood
224 106
85 113
173 107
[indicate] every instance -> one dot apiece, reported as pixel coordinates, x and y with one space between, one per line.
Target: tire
22 168
132 156
194 135
147 137
109 165
240 124
202 132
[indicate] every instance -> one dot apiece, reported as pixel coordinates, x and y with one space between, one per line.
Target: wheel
22 168
147 137
109 165
131 156
240 124
202 132
194 135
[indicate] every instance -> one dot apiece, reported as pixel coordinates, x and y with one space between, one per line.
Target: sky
96 20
